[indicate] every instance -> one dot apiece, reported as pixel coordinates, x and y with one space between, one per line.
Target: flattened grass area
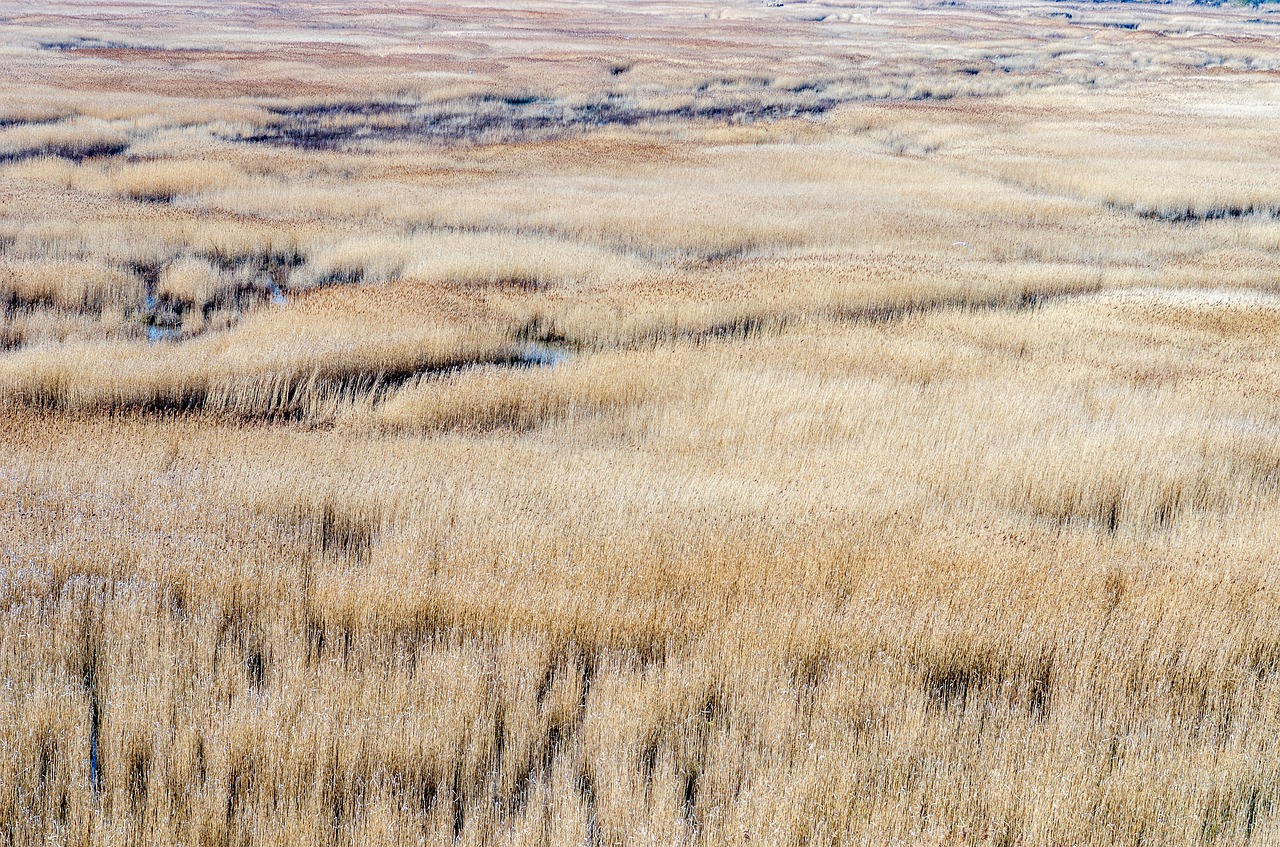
639 423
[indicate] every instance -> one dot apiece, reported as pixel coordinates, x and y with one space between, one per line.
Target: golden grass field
647 423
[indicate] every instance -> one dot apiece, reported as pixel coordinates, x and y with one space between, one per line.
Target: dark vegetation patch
10 338
517 117
8 122
85 42
76 151
1200 215
749 326
958 679
549 336
492 119
336 530
1110 512
1238 811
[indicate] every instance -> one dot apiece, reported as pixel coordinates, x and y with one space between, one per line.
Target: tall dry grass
773 598
267 367
785 424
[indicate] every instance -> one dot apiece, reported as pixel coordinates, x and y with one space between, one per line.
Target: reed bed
796 424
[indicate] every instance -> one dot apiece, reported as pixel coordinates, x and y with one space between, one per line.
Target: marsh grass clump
253 373
524 398
79 286
73 146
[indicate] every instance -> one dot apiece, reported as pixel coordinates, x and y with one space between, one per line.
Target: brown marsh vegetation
639 423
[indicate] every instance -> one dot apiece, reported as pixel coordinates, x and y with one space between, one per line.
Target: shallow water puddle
538 354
